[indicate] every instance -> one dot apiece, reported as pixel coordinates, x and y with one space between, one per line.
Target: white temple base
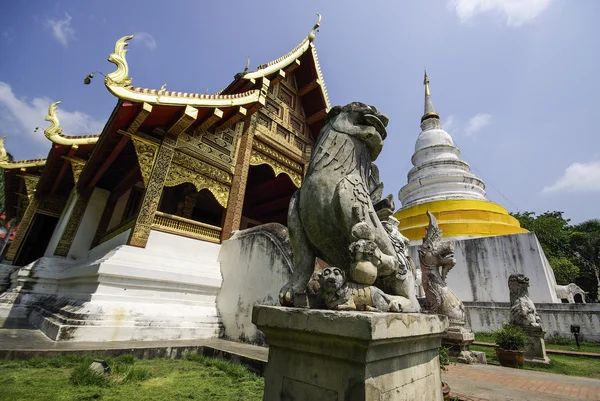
484 264
166 291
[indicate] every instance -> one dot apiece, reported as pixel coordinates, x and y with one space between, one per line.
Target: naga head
517 285
433 252
332 279
361 121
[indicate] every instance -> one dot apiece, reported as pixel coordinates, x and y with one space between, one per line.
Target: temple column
68 235
233 214
143 222
24 226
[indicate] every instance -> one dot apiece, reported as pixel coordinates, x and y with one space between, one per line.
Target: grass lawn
67 378
550 343
562 364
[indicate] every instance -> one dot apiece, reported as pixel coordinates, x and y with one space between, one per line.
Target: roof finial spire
429 109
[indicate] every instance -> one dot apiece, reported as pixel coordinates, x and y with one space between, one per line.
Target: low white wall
166 291
556 318
256 263
484 264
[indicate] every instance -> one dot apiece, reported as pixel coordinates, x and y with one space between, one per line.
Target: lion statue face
361 121
332 279
518 284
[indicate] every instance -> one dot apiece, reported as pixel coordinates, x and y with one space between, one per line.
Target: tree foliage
572 250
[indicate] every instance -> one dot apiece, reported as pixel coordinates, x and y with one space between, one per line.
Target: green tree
552 230
565 271
2 194
585 242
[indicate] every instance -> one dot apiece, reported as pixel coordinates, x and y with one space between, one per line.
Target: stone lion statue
569 291
336 293
334 215
522 308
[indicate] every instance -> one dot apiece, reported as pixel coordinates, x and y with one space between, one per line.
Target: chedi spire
429 110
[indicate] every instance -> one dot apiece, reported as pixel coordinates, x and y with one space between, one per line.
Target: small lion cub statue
336 293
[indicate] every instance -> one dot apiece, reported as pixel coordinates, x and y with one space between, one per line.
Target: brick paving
498 383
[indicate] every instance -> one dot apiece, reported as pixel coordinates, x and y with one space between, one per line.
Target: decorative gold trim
31 182
185 227
273 154
179 174
51 205
22 230
257 158
8 165
68 234
54 131
77 166
287 59
119 84
146 154
202 168
156 182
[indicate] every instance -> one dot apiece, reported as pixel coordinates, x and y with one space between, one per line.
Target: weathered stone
569 291
100 367
333 217
437 259
524 315
331 355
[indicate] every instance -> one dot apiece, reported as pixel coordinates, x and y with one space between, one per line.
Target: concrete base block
458 339
354 356
535 348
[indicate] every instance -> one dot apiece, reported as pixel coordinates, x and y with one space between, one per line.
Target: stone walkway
495 383
478 382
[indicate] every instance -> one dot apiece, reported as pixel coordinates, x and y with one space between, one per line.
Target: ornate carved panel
203 176
52 205
217 148
22 230
146 152
143 223
31 182
68 235
257 158
286 96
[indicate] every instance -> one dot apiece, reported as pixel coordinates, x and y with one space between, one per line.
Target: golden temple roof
6 164
54 131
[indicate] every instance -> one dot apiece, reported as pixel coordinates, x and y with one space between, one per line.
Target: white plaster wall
255 265
556 318
166 291
484 264
89 224
118 210
62 223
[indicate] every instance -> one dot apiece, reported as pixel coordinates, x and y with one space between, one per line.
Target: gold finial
426 83
3 152
54 128
120 77
311 35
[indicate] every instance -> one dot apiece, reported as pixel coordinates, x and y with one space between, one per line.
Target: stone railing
185 227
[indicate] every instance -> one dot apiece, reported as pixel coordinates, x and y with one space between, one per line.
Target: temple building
120 232
444 184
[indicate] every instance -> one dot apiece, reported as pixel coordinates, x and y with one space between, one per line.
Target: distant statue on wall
524 314
569 291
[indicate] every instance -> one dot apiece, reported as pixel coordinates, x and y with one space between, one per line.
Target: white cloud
21 117
145 39
477 123
449 124
578 177
516 12
62 29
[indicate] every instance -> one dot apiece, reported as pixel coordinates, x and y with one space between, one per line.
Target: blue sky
515 82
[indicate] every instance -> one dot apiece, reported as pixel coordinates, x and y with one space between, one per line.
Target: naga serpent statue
437 259
337 213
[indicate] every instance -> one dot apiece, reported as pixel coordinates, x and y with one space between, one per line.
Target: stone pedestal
535 347
350 356
457 340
